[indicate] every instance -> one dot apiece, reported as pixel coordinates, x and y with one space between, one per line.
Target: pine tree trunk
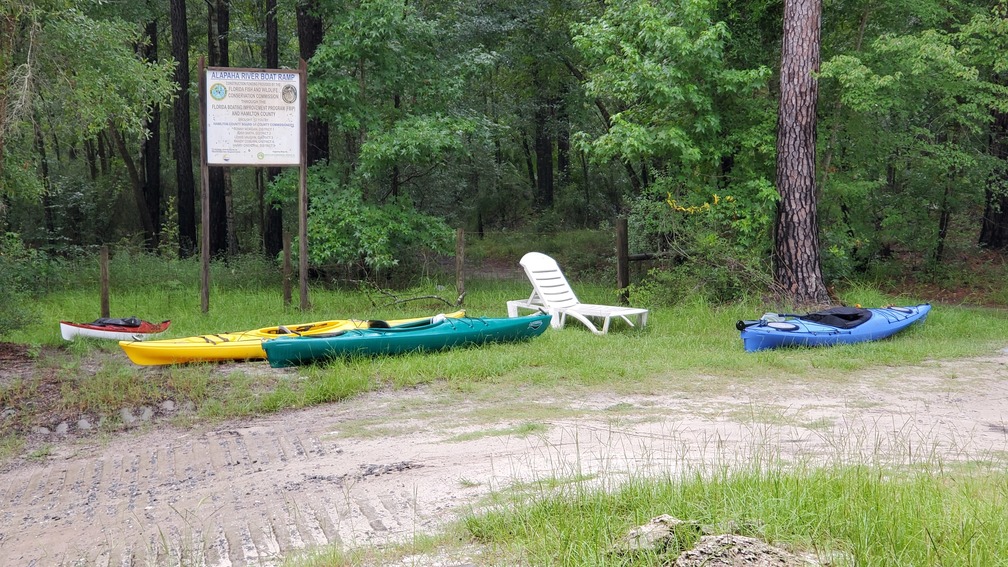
543 156
218 21
797 267
310 32
273 215
183 142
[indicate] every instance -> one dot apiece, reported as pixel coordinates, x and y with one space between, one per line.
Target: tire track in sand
250 492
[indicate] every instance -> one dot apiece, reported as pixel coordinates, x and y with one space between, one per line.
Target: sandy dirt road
389 465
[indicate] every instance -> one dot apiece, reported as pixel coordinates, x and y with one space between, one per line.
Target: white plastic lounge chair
552 293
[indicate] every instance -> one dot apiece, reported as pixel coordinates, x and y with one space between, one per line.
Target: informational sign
253 117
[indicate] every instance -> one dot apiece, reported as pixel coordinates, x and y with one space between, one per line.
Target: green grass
868 515
843 514
695 344
854 515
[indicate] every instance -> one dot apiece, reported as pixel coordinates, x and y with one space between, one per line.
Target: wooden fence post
622 260
103 270
460 263
286 269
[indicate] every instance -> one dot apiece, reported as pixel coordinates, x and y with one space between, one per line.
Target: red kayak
128 329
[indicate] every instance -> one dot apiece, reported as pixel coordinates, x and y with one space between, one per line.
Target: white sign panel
253 117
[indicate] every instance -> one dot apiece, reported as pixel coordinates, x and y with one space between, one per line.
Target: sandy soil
390 465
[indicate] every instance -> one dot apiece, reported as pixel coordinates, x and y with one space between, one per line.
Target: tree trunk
182 148
543 156
90 155
136 183
217 47
797 264
944 220
396 176
310 32
606 117
103 154
47 206
563 144
529 163
273 215
151 151
994 226
8 27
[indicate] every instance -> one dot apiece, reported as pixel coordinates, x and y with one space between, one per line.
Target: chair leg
587 322
558 320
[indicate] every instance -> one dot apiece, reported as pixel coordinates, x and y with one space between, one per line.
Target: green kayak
434 334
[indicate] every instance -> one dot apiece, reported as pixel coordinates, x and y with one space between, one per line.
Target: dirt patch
15 361
389 465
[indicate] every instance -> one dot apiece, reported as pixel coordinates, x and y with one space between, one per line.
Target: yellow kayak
243 345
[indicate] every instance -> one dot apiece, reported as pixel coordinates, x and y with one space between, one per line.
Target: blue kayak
434 334
834 326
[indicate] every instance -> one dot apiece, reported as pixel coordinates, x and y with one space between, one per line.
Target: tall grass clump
846 515
112 387
582 253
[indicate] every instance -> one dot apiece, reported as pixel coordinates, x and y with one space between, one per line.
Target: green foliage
19 181
695 122
25 273
437 107
711 273
716 245
420 141
911 143
66 75
346 230
663 66
91 72
380 77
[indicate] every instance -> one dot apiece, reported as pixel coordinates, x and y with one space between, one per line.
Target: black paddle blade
742 325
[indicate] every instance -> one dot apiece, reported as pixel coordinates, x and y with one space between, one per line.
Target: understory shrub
24 273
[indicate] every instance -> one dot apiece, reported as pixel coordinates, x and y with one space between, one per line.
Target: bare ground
390 465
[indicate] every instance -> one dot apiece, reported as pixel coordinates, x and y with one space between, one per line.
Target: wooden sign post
253 117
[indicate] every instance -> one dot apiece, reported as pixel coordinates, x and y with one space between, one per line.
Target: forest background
532 117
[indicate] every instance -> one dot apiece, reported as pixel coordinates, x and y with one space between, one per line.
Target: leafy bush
715 246
348 232
712 272
24 273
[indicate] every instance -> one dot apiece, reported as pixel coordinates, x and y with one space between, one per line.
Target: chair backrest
548 281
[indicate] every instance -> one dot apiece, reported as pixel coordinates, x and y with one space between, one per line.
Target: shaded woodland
534 115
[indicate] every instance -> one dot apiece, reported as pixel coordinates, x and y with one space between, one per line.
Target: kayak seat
841 317
551 293
126 322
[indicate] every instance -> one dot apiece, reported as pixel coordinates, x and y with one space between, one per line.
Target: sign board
253 117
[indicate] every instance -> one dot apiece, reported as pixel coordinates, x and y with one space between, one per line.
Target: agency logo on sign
289 94
218 91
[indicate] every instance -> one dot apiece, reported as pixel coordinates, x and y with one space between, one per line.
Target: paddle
743 325
767 318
